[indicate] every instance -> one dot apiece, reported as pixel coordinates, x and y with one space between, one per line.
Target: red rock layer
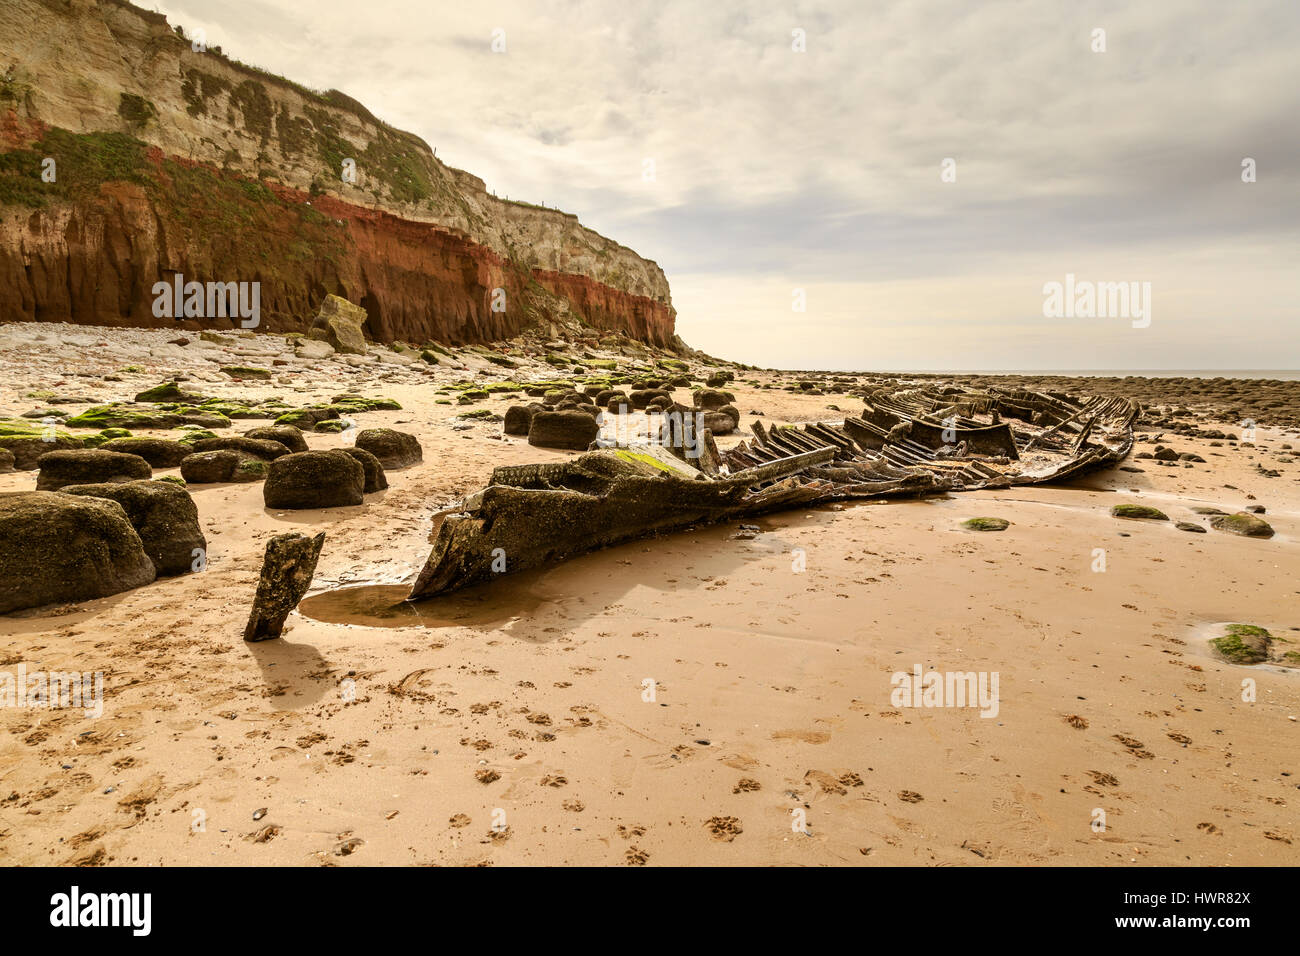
605 307
94 260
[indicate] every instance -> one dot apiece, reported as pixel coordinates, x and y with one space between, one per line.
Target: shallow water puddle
385 605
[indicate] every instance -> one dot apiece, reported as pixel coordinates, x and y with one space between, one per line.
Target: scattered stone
986 524
314 479
266 449
287 571
56 548
82 466
1189 526
1243 524
163 515
27 442
168 392
1243 644
519 418
245 371
210 467
340 323
394 449
376 480
287 435
1139 511
573 430
158 452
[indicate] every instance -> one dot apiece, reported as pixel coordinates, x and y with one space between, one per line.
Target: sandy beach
694 698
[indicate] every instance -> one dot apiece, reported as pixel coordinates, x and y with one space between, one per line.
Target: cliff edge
169 160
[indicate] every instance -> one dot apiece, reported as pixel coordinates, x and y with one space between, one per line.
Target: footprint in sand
724 829
635 856
807 736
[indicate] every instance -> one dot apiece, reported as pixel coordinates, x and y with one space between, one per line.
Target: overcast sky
776 170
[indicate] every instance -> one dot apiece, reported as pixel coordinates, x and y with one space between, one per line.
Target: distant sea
1283 375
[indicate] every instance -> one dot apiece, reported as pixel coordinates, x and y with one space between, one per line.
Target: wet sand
513 725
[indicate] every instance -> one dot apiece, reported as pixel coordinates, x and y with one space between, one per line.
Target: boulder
720 423
315 479
264 448
287 435
1139 511
1244 524
56 548
27 448
709 398
573 430
341 324
376 480
518 420
209 467
394 449
301 418
1243 644
313 350
158 452
6 461
163 515
986 524
168 392
643 396
287 571
82 466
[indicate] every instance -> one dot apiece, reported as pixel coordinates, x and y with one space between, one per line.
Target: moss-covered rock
210 467
168 392
246 372
196 434
315 479
80 466
1247 525
287 435
27 441
163 515
376 480
137 417
1243 644
1139 511
264 448
158 452
986 524
306 417
56 548
394 449
333 426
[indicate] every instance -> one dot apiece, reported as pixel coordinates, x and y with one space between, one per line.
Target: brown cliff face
143 192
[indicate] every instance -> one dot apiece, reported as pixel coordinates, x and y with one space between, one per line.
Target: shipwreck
907 442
